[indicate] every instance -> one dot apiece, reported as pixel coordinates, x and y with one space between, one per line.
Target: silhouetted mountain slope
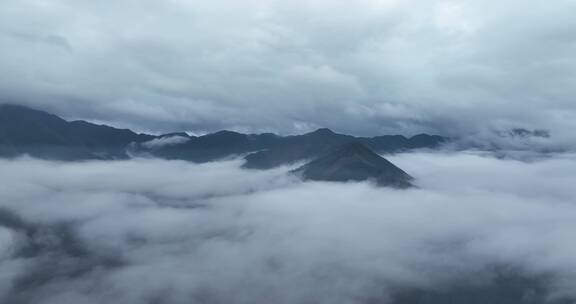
180 134
355 162
40 134
213 146
311 145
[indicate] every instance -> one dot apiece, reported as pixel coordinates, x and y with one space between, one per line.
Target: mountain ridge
26 131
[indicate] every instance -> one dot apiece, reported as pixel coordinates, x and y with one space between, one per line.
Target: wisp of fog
158 231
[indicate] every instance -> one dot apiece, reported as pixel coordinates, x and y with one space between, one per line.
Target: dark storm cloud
155 231
365 67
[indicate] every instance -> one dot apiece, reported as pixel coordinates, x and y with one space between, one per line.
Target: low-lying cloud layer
365 67
155 231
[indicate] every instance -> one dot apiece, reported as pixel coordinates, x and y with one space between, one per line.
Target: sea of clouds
157 231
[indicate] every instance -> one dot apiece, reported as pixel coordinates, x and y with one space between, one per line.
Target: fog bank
156 231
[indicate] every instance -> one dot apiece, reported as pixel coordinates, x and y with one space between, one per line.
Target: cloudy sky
364 67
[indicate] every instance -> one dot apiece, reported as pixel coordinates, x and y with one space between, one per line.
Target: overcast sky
357 66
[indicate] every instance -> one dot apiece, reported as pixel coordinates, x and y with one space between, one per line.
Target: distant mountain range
43 135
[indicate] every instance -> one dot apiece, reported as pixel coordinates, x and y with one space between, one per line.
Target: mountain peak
355 162
322 131
224 133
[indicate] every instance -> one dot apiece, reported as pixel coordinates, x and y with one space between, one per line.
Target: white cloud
165 141
219 234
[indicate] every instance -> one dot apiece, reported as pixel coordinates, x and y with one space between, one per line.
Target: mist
157 231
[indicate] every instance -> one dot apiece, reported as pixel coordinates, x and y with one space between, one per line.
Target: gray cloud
364 67
155 231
